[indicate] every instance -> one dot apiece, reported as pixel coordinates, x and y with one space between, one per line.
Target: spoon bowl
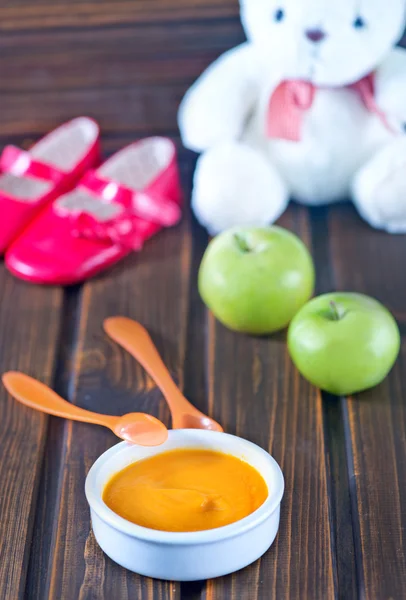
195 421
146 429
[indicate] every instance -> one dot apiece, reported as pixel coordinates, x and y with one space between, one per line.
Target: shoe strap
129 225
20 163
136 203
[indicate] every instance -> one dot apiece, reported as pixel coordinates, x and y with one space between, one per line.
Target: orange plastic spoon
137 428
135 339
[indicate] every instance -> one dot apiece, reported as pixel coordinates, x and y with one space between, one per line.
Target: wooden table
127 63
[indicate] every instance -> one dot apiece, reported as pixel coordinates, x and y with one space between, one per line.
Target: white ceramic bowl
185 556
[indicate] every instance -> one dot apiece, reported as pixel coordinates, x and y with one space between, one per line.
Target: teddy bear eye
279 15
359 23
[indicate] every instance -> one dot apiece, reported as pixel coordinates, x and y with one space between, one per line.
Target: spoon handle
134 338
37 395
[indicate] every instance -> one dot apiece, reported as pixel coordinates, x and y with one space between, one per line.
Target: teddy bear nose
315 35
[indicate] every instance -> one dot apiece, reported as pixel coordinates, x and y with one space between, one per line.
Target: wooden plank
367 260
133 87
29 325
338 486
372 262
152 287
24 15
54 455
141 111
255 391
147 54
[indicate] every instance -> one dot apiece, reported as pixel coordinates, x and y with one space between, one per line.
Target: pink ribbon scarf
292 99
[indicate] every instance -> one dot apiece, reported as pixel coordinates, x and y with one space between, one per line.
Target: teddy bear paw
237 185
379 188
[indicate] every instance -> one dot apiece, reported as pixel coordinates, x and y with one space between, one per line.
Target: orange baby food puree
186 490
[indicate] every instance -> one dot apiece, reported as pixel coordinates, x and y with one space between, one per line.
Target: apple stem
242 242
335 311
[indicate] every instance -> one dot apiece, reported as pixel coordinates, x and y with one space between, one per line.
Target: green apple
254 279
344 343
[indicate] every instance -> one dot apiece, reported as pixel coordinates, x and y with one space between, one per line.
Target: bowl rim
253 520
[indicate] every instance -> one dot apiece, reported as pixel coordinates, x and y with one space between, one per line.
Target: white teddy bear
312 107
